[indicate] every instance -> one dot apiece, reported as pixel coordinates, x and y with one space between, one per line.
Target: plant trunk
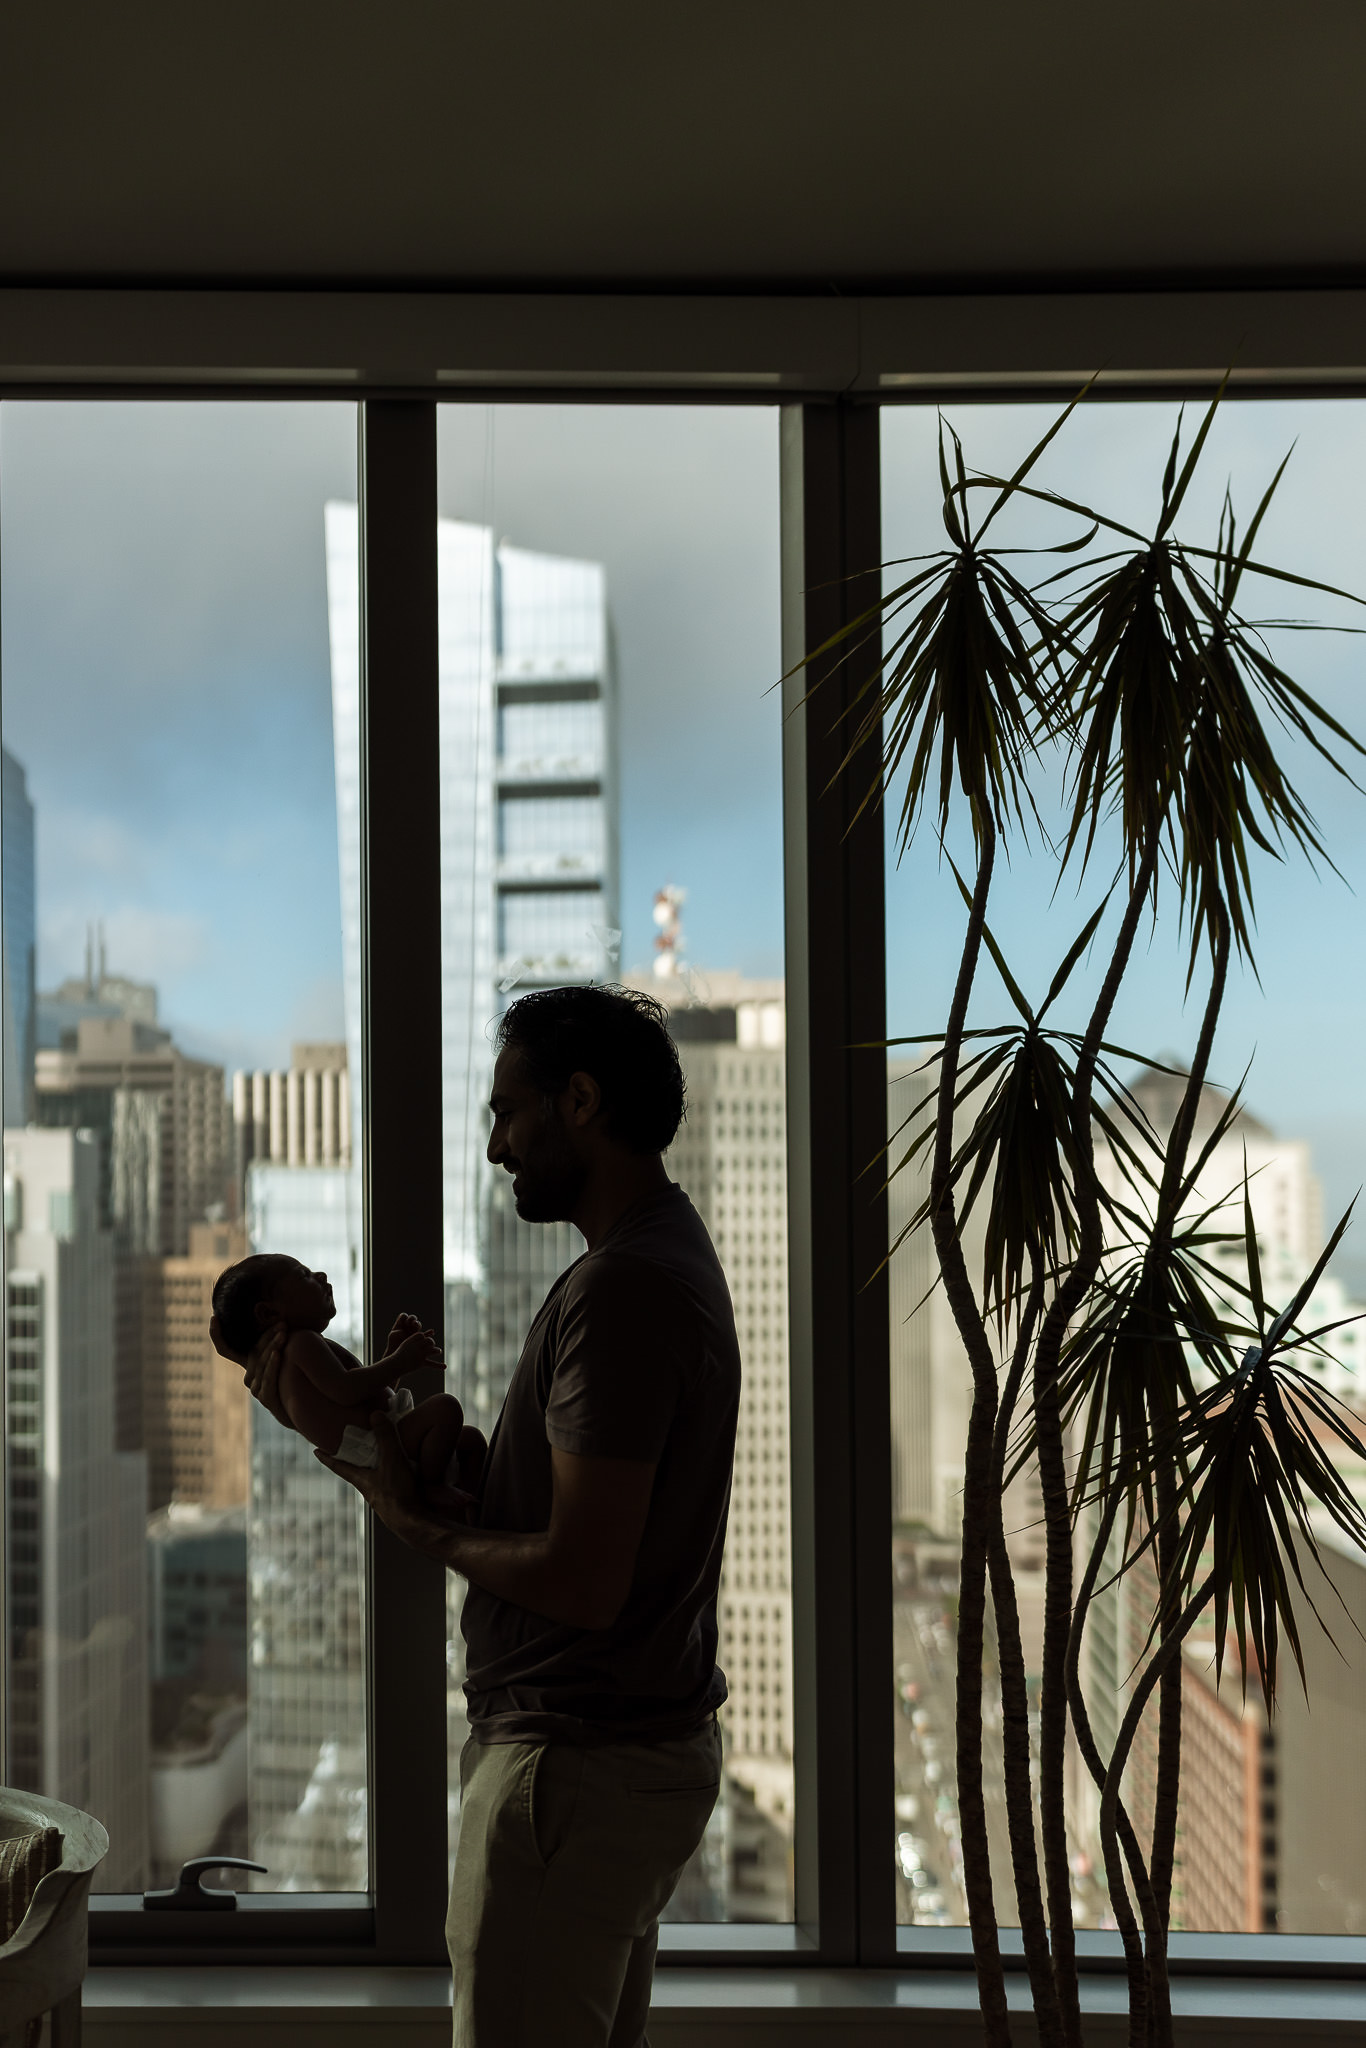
1024 1855
1168 1784
1081 1722
1135 1959
1053 1485
977 1504
1053 1697
1157 2029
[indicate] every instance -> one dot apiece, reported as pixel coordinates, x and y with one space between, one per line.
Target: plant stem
977 1504
1136 1963
1168 1780
1159 2027
1053 1486
1024 1854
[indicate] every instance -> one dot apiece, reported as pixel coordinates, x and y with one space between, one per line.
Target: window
186 1648
608 678
1270 1831
543 739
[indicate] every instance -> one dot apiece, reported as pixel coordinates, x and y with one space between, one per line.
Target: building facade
168 1150
194 1403
301 1117
528 880
76 1506
18 941
197 1666
730 1157
305 1578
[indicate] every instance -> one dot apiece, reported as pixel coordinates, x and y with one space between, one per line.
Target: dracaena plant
1102 1333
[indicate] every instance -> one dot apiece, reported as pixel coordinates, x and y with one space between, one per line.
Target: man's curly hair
620 1037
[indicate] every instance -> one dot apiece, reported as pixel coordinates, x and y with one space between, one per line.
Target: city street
925 1831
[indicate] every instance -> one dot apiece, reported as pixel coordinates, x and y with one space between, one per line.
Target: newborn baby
325 1391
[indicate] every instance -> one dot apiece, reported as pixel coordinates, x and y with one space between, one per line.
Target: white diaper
361 1446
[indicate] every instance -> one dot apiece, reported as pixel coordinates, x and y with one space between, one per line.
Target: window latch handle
190 1895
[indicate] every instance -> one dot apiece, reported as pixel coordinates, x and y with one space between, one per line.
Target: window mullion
842 1594
401 983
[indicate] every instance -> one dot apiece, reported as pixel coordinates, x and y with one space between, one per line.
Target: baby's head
270 1288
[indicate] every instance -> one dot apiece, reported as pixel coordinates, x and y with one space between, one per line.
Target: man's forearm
524 1570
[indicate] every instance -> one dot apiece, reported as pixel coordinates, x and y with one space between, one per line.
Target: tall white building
731 1159
528 847
528 899
76 1508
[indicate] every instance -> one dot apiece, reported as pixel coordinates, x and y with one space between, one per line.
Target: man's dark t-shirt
633 1355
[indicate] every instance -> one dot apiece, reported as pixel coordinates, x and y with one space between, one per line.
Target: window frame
831 364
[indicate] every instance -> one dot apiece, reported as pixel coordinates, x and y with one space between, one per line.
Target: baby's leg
430 1435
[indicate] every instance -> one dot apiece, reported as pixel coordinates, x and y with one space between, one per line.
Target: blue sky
166 678
1301 1029
164 639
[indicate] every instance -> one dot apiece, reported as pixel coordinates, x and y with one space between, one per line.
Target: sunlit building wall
731 1158
194 1402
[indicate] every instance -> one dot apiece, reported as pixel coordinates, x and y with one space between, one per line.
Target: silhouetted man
594 1550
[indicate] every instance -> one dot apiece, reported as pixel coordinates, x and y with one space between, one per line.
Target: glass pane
1272 1819
612 809
185 1643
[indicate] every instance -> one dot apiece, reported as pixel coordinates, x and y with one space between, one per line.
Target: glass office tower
529 874
529 891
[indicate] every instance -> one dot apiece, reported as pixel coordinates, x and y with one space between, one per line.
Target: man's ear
582 1099
265 1313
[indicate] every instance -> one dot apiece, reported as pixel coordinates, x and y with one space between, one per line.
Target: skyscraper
306 1568
529 879
194 1403
168 1145
18 921
197 1631
301 1117
529 872
730 1157
76 1505
164 1129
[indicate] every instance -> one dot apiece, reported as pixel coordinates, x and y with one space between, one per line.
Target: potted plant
1110 1339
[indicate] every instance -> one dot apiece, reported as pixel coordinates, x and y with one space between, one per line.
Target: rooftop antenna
669 938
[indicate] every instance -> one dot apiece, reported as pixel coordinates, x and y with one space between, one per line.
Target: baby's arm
317 1360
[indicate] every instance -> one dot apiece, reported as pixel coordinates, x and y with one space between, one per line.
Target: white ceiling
744 142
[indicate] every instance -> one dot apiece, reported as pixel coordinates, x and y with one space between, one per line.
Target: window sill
1332 1957
219 2006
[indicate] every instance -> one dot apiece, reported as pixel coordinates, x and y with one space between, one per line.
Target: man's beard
551 1181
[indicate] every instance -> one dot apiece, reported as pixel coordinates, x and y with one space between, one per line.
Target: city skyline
204 614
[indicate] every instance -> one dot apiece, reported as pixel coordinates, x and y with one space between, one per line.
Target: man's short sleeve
619 1355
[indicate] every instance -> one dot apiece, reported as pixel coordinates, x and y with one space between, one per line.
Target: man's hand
261 1365
390 1487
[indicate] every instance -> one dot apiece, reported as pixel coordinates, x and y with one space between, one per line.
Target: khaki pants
566 1859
